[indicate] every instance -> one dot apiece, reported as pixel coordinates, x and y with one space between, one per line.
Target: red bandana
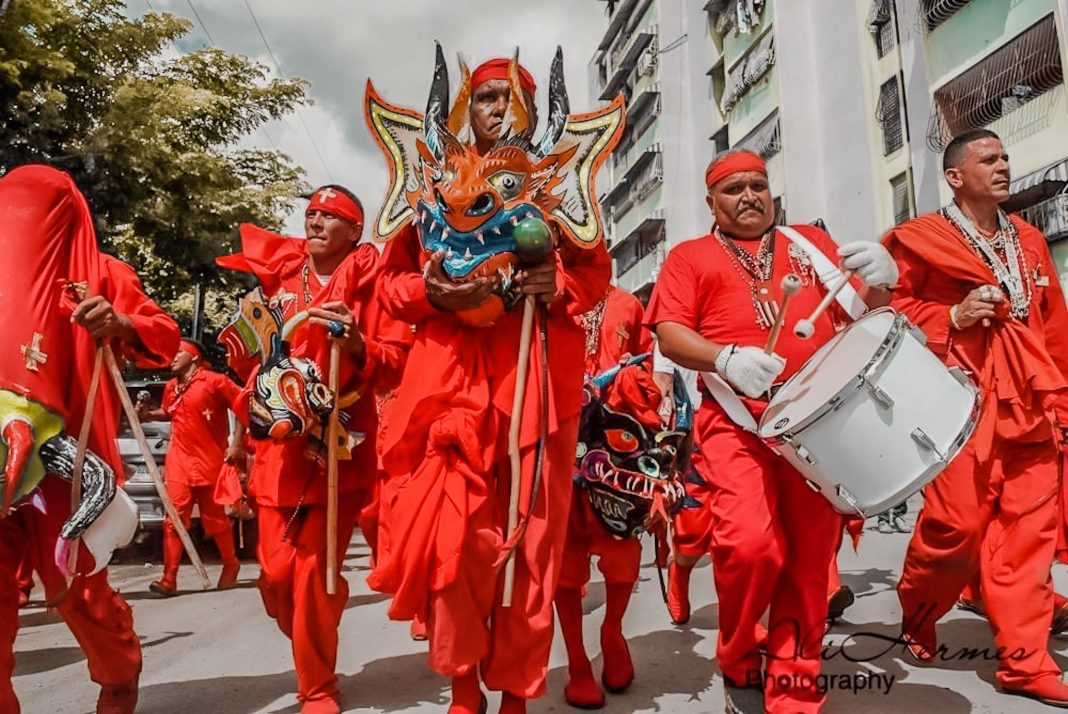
498 69
187 346
733 164
335 203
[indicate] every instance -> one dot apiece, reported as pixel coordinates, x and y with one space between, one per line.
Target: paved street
218 652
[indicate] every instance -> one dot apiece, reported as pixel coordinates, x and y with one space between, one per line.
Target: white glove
748 369
871 261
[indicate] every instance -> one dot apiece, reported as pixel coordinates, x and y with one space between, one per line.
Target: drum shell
888 433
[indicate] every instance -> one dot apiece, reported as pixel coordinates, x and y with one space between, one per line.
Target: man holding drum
983 288
772 537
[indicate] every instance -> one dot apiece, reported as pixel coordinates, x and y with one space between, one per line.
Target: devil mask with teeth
466 201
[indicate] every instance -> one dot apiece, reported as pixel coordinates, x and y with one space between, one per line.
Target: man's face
328 235
983 173
742 204
489 102
182 362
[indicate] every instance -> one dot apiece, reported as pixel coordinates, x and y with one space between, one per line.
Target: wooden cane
807 327
83 446
331 471
153 470
522 367
790 286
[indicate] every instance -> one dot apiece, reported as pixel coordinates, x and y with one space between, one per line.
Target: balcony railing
1049 216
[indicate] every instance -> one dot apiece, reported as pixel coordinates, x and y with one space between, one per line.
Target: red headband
733 164
498 69
335 203
187 346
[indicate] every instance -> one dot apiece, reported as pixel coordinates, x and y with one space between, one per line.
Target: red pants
97 616
618 559
1000 518
212 517
24 573
773 540
468 626
691 526
293 586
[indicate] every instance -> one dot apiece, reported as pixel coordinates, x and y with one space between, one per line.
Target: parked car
139 484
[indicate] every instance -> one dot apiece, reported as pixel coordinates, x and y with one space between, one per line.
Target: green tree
153 141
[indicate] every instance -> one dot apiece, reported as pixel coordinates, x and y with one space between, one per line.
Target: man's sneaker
838 602
900 526
884 526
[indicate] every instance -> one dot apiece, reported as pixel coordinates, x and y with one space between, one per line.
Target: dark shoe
1060 620
117 698
742 700
1050 690
975 606
838 602
164 587
228 576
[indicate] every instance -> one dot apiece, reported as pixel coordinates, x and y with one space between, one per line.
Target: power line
278 69
201 22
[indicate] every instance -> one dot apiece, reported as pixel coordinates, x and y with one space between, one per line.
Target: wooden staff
790 286
522 368
807 327
331 470
153 470
83 446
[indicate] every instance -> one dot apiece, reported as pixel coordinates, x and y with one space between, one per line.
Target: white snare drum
873 416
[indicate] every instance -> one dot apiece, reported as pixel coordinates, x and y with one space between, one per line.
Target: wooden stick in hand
807 327
331 471
522 367
83 446
790 286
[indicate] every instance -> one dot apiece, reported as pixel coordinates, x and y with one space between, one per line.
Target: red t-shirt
701 287
621 333
200 428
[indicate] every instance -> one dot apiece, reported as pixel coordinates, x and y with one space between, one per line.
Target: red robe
445 450
292 548
48 238
995 507
771 537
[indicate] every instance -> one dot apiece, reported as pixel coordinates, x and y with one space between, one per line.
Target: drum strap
829 275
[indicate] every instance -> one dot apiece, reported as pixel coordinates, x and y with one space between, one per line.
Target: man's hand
332 314
97 316
539 280
978 305
870 261
446 294
236 454
749 369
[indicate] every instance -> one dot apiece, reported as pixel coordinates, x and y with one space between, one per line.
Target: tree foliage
151 136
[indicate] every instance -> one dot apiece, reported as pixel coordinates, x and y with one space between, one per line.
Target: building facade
850 101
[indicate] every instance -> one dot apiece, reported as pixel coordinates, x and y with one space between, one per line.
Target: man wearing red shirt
983 288
448 440
614 332
47 235
196 402
332 276
772 537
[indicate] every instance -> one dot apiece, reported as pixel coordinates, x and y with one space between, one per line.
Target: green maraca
533 239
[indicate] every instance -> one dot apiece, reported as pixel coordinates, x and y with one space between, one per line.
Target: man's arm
148 336
582 277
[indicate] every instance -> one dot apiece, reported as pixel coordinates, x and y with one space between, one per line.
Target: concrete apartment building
850 101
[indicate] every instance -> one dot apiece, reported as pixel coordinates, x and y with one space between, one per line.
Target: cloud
337 44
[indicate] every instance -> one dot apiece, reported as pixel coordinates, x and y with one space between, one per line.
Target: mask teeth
449 254
467 254
444 233
514 221
480 239
497 230
422 216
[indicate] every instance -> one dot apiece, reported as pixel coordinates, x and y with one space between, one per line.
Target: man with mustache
332 276
448 429
984 289
772 537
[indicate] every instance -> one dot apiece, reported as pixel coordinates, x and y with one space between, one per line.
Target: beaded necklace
756 272
591 322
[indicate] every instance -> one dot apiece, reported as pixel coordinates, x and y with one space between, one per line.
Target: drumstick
807 327
790 286
331 471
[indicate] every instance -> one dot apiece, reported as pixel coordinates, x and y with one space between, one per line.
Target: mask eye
621 441
507 183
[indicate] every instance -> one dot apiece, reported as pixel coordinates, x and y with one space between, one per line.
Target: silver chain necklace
1012 272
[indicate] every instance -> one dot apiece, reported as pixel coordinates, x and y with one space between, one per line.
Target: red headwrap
732 164
335 203
498 69
187 346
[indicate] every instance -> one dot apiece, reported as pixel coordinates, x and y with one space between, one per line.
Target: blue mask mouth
464 252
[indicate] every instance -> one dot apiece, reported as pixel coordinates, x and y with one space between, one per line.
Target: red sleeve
582 277
402 288
167 401
386 341
158 333
227 390
674 296
1054 324
931 317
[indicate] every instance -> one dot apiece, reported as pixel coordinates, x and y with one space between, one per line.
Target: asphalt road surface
208 652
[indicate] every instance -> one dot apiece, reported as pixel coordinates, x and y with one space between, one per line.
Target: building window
935 12
901 192
720 141
1022 70
882 27
747 72
765 140
888 114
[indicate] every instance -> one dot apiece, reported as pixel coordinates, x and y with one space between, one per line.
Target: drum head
830 370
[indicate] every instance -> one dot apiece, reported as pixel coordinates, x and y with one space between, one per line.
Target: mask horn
459 115
559 107
437 105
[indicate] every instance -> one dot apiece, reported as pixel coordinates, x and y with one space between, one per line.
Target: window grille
935 12
900 190
888 114
765 139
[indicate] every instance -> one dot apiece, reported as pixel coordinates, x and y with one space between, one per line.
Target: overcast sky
337 44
